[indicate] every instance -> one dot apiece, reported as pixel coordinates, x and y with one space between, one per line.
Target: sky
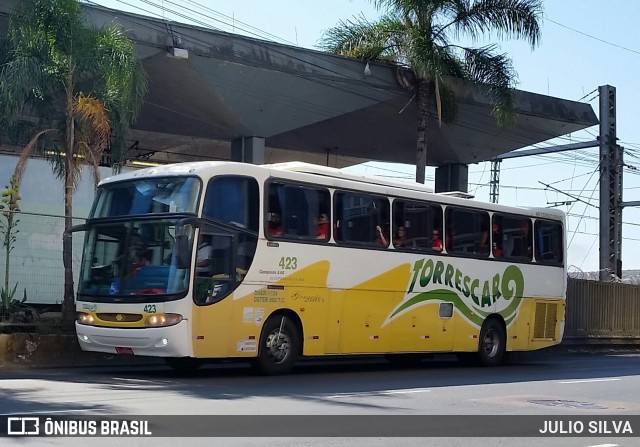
585 44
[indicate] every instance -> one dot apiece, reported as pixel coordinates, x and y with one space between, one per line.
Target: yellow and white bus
218 260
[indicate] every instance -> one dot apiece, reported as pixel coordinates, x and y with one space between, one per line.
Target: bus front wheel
493 343
279 346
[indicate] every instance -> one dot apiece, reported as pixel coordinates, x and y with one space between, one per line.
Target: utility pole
611 170
610 187
494 193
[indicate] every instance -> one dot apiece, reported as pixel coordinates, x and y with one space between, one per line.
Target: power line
593 37
592 91
262 32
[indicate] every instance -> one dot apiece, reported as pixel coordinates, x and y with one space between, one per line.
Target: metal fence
35 263
602 312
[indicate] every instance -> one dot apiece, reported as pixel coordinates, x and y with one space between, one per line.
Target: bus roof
326 171
199 168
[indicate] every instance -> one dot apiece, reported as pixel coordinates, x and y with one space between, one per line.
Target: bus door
214 281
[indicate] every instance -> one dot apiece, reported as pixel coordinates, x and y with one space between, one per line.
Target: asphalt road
365 395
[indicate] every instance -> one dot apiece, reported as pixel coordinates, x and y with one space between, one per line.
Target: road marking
379 393
604 445
590 380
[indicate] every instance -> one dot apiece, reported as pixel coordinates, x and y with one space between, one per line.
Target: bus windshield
147 196
136 258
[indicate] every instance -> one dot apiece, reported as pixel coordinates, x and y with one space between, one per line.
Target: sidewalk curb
25 351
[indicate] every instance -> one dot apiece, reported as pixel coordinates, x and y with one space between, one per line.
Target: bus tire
183 364
279 346
493 343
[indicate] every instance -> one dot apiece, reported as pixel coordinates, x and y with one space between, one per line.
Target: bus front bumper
171 341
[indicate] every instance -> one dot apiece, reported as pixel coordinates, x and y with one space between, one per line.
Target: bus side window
362 218
467 232
516 236
548 242
233 200
298 209
415 224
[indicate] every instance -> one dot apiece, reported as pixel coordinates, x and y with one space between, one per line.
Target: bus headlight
84 318
161 320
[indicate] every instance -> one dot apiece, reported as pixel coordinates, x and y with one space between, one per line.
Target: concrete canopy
307 105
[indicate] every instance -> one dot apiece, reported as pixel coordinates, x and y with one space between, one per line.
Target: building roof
308 105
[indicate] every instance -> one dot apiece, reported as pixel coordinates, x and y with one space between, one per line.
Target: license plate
127 351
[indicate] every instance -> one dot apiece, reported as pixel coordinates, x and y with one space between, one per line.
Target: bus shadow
338 382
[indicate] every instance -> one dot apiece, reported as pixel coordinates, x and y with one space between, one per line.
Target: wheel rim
278 345
491 343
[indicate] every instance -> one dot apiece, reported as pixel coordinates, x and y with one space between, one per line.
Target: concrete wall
36 261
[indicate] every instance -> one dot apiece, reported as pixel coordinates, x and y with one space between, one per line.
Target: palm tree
85 87
419 35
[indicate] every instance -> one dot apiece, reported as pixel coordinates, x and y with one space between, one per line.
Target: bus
222 260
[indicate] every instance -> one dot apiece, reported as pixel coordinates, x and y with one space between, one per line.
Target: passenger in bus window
140 257
203 255
275 225
399 240
496 238
436 242
322 231
380 237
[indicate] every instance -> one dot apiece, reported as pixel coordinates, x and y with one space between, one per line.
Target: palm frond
57 157
508 18
94 113
26 83
495 72
362 39
93 160
5 50
92 132
27 153
48 23
124 84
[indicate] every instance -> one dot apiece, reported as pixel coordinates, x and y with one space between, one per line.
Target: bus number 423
288 263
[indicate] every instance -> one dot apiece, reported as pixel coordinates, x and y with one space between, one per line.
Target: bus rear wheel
493 343
279 346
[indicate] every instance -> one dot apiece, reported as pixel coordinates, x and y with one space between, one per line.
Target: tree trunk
68 304
422 102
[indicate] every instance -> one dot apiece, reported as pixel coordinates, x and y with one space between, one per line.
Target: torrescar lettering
492 290
471 296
